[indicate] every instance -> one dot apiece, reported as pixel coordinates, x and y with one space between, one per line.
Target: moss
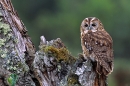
61 54
12 79
73 80
57 49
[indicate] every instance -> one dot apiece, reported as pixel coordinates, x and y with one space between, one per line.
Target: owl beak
89 28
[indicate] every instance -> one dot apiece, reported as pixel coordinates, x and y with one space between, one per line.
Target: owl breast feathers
97 45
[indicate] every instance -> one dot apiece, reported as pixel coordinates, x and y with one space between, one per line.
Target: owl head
92 24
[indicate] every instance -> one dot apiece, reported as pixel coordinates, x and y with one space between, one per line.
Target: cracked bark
51 65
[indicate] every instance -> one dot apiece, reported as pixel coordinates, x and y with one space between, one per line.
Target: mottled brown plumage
97 45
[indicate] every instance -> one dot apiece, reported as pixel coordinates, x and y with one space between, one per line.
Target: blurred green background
62 19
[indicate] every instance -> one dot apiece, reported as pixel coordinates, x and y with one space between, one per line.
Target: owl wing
99 45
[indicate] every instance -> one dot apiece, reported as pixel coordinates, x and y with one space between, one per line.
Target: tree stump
51 65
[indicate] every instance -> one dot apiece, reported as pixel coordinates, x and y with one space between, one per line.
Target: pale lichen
3 53
2 42
13 46
15 64
8 51
5 28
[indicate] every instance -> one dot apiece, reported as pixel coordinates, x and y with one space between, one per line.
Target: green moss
12 79
61 54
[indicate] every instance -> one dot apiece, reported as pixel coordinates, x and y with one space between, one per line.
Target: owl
97 45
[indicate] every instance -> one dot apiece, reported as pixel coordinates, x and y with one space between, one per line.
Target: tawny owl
97 45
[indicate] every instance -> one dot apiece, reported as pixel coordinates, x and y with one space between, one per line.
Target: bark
51 65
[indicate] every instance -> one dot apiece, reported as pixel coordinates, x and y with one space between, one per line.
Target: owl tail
101 80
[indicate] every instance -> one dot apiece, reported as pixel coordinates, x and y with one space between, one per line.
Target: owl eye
86 25
93 25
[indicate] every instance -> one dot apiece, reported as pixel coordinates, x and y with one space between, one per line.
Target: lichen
5 28
1 14
3 53
12 47
2 42
16 65
5 36
8 51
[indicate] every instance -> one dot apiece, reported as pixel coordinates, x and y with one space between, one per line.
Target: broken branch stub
55 66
